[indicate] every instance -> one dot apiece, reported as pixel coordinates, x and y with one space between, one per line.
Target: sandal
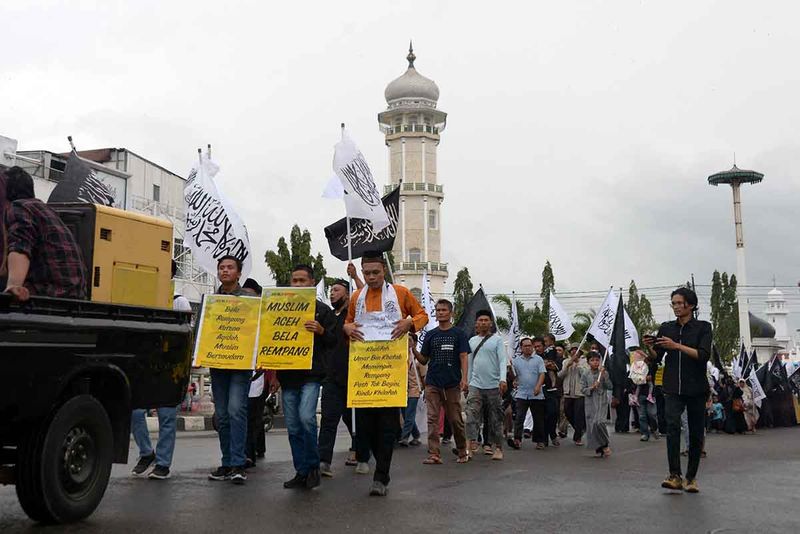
540 446
487 450
463 459
433 459
606 452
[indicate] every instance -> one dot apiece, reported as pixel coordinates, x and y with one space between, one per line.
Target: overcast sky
579 132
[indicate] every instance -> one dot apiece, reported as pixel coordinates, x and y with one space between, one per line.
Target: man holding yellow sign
380 314
296 332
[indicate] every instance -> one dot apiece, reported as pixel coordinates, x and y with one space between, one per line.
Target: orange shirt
409 307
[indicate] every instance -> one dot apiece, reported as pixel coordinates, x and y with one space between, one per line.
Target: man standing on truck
230 388
301 390
43 257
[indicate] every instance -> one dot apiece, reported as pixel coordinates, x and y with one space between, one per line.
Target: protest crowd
477 392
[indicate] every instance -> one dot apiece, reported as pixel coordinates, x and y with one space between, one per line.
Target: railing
424 187
157 209
411 128
429 266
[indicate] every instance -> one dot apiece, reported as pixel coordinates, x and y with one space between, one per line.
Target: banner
378 374
559 322
283 341
227 332
362 235
361 197
213 229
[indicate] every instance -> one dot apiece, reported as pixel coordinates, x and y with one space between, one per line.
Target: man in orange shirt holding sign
380 311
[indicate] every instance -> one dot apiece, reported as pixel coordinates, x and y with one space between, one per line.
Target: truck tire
28 482
73 462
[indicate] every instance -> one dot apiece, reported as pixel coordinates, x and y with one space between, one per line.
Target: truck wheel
28 481
76 457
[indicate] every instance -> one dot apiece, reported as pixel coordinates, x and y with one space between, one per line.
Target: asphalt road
748 484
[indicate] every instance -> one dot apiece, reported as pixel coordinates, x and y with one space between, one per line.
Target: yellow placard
378 374
228 331
283 341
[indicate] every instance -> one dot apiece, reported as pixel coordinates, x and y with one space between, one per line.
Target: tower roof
411 84
775 294
735 174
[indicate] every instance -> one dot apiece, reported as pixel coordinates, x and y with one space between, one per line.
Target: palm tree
531 320
581 322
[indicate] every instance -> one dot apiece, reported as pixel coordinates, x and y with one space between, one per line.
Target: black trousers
696 412
376 432
334 409
622 424
537 408
661 412
551 415
575 411
255 426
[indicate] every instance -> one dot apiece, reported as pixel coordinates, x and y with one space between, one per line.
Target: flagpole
350 281
605 356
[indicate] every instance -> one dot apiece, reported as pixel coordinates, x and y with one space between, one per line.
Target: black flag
751 366
794 382
477 303
717 360
361 234
80 184
618 367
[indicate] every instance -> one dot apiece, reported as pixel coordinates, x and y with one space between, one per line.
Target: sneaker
362 468
325 470
498 454
159 472
673 482
220 473
691 486
415 442
238 476
403 443
299 481
144 463
313 479
446 441
644 438
378 489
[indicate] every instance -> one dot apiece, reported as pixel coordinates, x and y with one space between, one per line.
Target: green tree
548 286
725 315
286 256
581 322
640 310
532 321
462 292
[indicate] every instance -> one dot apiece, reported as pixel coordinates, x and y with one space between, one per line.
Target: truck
71 371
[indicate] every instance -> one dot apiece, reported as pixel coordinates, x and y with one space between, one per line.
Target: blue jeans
230 389
167 424
410 420
647 415
300 411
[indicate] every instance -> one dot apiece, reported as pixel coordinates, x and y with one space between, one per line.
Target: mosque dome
761 328
411 84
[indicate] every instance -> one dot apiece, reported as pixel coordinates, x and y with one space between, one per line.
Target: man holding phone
685 346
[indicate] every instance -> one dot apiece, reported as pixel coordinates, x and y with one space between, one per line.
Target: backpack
639 372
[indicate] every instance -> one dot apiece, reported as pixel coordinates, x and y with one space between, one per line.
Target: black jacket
337 360
322 344
684 375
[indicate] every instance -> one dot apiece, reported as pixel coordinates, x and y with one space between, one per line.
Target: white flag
758 391
603 324
560 324
333 189
631 334
321 294
361 196
213 228
429 305
514 335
